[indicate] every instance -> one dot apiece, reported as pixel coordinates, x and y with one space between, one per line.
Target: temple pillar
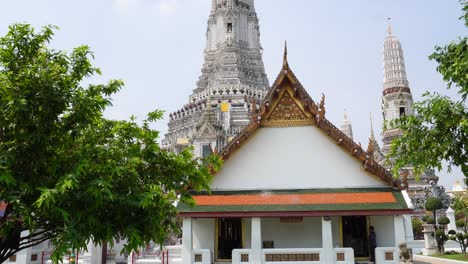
187 240
256 255
327 240
399 228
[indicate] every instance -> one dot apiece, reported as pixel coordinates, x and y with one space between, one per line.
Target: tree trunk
104 253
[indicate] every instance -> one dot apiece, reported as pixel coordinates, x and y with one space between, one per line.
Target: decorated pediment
206 130
287 111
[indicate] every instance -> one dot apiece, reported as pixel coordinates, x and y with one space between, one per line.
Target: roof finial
389 27
371 127
345 115
285 56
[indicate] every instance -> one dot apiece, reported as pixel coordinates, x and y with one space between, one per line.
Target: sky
334 47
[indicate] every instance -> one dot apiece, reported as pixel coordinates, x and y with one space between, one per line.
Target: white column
96 254
451 216
399 229
409 236
327 240
187 240
256 255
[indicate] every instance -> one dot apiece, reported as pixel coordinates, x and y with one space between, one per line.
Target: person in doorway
372 243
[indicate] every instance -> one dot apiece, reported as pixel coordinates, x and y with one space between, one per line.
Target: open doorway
229 237
355 235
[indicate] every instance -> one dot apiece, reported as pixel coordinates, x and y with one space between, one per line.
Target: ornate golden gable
287 111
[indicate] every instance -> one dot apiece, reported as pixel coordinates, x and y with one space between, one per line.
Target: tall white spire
394 62
397 100
346 126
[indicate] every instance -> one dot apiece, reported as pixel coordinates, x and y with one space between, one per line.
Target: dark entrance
355 235
229 236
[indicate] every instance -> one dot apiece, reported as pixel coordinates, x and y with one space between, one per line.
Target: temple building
397 101
233 80
295 189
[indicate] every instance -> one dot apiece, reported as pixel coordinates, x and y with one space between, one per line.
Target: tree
459 204
417 228
69 175
432 205
438 130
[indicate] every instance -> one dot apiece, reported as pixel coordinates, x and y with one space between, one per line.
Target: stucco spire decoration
389 27
346 126
230 4
373 149
214 3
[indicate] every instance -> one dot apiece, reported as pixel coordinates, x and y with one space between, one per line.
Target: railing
288 255
201 256
241 256
343 255
387 255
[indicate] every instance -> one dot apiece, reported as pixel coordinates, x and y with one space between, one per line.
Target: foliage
430 220
429 137
433 203
460 238
443 220
459 204
69 175
417 227
460 223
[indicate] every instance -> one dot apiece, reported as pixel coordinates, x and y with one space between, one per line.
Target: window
402 111
206 150
34 257
13 258
229 27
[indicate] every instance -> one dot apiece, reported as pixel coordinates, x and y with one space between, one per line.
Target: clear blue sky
334 47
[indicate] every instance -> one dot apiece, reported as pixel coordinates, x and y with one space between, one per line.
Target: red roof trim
290 199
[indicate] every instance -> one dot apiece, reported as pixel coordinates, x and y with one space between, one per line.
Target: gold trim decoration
287 109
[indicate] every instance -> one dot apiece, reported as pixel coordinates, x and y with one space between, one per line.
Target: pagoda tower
397 101
232 80
346 126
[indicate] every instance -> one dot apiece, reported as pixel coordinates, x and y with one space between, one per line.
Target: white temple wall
384 230
305 234
203 230
292 158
